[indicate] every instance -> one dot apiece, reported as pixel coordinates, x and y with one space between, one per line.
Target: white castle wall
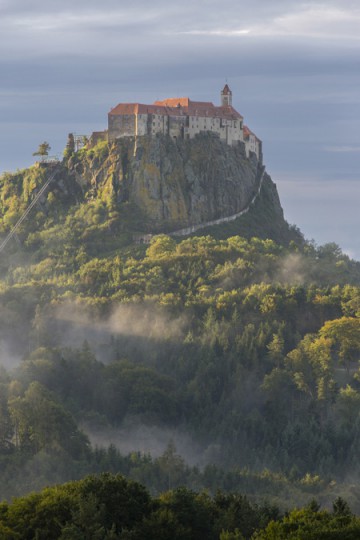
185 125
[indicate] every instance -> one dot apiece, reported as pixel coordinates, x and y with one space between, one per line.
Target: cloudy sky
293 67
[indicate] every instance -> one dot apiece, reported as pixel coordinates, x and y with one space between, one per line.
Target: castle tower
226 96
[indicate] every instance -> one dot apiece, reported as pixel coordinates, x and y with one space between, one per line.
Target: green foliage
161 246
43 149
70 146
109 507
313 524
248 347
202 333
42 424
96 507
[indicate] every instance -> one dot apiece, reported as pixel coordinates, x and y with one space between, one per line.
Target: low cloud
342 149
316 21
295 20
220 32
137 437
144 322
292 270
49 28
7 358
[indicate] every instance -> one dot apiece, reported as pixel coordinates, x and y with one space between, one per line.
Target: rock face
175 183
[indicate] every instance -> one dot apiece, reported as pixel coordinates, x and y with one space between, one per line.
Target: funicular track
29 208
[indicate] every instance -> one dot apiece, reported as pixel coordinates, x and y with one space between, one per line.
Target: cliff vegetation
214 361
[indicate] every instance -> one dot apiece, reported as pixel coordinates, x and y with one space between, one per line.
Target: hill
243 351
128 190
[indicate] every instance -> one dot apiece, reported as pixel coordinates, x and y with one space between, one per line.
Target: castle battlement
183 118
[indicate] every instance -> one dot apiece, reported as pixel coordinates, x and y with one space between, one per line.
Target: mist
131 328
293 270
135 436
133 320
8 359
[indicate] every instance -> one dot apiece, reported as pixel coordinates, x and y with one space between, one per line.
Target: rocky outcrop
175 183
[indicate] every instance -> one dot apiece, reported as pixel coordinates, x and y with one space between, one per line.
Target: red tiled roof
140 108
228 112
184 102
193 108
201 104
174 102
248 132
125 108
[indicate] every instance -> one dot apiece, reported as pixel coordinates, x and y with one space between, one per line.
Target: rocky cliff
174 184
119 192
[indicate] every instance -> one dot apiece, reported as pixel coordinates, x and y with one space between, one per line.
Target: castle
183 118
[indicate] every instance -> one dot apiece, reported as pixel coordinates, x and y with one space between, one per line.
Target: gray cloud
93 28
293 67
342 149
325 206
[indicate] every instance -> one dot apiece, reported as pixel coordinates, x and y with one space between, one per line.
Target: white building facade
183 118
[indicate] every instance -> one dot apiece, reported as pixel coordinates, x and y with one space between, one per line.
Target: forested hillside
237 356
109 507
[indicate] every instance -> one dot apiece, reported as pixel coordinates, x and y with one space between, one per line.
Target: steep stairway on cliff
29 208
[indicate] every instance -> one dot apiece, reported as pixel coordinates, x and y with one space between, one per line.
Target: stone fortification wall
184 127
123 125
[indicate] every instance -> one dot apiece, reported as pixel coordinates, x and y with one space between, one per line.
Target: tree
348 406
312 523
161 246
341 508
39 327
6 428
345 335
41 423
311 367
195 512
70 146
235 535
276 349
171 465
97 507
43 149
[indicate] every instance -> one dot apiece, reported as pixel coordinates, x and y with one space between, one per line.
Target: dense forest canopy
109 507
246 347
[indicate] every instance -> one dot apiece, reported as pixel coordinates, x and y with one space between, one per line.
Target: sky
293 68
